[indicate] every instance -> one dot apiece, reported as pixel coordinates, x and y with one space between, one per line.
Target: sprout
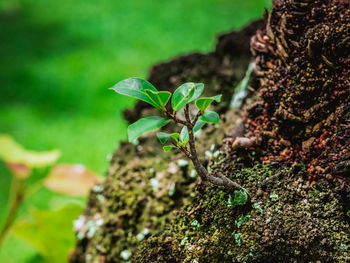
169 105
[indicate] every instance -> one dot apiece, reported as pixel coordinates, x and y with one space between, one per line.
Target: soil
151 207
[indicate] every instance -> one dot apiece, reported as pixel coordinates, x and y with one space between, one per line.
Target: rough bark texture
297 169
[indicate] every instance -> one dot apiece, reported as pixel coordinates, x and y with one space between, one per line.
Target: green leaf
167 148
182 95
240 198
145 125
159 98
53 225
184 136
13 152
141 89
203 103
186 93
198 91
210 117
164 137
199 124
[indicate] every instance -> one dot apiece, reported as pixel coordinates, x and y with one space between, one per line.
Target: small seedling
184 141
258 207
274 197
238 238
242 220
195 225
31 171
239 198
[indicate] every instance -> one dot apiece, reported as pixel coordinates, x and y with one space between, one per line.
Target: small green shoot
238 238
239 198
257 206
195 225
242 220
169 105
274 197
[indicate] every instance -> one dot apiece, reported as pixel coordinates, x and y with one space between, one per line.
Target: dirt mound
151 209
303 63
144 186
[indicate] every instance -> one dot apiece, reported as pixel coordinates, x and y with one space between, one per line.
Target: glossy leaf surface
186 93
210 117
164 137
137 88
159 98
167 148
184 136
199 124
203 103
145 125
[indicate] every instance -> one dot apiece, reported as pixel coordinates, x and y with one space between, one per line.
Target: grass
60 57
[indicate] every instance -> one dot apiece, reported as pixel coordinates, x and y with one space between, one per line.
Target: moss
296 174
289 226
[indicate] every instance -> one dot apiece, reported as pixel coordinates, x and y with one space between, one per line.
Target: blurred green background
57 61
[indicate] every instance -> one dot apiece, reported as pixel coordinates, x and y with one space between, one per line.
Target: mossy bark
151 207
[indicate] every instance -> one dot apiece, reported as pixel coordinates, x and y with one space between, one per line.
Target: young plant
29 174
184 141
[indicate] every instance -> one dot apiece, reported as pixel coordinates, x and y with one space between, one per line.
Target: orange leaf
20 170
71 179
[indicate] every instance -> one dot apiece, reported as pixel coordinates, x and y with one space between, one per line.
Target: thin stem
203 173
19 190
199 113
220 180
177 120
187 116
34 188
184 150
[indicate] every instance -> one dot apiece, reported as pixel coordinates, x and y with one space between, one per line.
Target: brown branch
177 120
199 113
194 210
220 180
188 154
183 149
203 173
187 115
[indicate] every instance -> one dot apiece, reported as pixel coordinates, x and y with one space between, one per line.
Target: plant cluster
180 100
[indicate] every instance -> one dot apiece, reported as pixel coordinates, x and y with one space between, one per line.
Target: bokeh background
57 61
